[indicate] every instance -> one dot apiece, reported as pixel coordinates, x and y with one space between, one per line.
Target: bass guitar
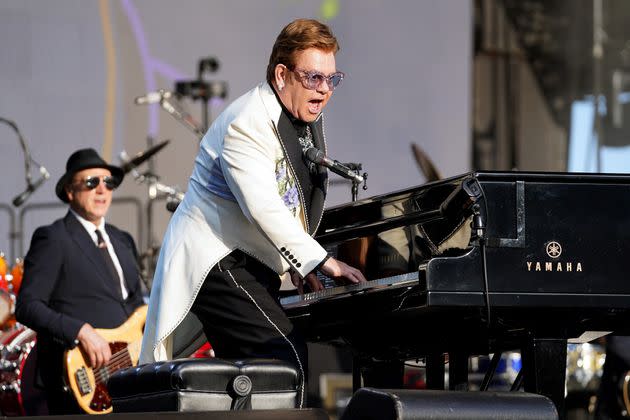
89 386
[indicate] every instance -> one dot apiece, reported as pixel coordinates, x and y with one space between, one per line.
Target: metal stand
203 89
182 116
357 167
13 233
156 191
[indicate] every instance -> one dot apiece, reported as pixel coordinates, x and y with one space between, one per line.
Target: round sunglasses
312 79
91 182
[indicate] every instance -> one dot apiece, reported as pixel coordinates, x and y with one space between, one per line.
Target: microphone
461 200
17 201
317 156
153 97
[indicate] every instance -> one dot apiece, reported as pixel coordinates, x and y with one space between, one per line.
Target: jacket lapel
314 201
320 181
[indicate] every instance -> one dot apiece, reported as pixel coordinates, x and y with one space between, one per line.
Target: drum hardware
7 365
131 163
203 89
10 282
16 386
12 387
156 191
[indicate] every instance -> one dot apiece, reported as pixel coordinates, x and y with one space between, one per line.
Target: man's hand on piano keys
341 272
310 279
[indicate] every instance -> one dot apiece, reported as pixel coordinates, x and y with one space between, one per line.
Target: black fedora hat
84 159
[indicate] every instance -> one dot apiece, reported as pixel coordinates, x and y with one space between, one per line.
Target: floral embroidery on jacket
286 186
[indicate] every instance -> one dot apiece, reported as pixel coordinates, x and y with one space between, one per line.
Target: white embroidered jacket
243 144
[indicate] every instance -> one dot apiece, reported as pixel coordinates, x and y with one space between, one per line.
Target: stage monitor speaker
295 414
407 404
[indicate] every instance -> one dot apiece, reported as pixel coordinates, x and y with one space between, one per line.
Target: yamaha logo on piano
554 250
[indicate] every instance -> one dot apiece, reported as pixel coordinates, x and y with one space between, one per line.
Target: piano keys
342 292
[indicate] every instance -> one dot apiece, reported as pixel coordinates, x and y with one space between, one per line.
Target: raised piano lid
354 219
387 211
584 216
391 234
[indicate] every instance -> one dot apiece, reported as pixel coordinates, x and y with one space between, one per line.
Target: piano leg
457 371
377 373
544 364
435 371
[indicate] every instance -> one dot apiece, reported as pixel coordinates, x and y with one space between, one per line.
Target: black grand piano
480 263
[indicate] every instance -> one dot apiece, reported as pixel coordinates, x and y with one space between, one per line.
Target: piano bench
407 404
206 385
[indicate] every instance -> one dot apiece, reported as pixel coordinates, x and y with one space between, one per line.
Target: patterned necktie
102 246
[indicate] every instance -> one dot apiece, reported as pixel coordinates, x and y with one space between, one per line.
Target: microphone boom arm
27 155
182 116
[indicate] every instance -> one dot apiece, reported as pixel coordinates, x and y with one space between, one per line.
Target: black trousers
241 315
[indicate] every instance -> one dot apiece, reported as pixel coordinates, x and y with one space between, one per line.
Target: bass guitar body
89 386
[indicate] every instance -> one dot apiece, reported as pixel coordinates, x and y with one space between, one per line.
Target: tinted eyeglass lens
315 80
92 182
110 182
335 79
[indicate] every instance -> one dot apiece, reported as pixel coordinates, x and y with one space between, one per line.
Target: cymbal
142 156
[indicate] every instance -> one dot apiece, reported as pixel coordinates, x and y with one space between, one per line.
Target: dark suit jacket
66 284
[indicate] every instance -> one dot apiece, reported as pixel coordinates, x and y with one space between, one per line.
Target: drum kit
17 377
10 281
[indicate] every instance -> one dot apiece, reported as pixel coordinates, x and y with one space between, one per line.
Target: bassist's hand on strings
94 346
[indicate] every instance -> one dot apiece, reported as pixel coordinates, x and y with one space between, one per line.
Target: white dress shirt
91 229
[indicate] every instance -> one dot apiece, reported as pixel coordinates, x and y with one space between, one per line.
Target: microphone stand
182 116
30 185
357 168
27 155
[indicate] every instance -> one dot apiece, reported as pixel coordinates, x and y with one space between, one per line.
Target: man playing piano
252 204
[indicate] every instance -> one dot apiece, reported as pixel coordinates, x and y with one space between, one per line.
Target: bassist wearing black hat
80 274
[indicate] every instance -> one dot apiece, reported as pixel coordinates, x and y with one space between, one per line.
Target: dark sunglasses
312 79
92 182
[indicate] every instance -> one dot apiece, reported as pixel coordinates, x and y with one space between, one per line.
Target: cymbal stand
156 191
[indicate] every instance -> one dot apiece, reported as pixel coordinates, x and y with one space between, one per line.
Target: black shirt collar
299 125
